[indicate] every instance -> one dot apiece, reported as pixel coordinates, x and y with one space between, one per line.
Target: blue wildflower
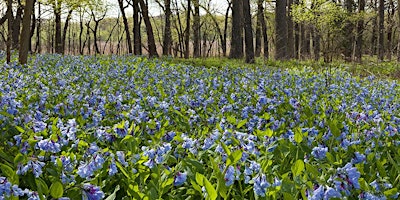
318 194
121 158
180 178
319 152
358 158
229 176
331 193
91 192
260 185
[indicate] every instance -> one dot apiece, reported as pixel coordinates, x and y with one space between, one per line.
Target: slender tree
281 30
248 32
290 39
381 22
196 29
167 41
360 31
390 16
126 25
149 29
348 32
237 30
137 41
187 30
398 27
25 35
260 15
9 25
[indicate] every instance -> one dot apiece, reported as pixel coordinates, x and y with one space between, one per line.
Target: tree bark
149 30
137 41
10 19
64 34
237 30
381 22
290 39
58 35
33 26
391 12
187 31
126 25
260 15
281 31
38 47
360 31
248 32
374 38
398 27
25 35
17 26
167 41
348 32
196 29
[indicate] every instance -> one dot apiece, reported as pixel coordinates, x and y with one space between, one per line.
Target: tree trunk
398 28
17 26
149 30
9 25
58 36
237 30
224 38
64 34
391 12
260 15
196 29
248 32
25 36
381 49
137 41
187 31
126 25
33 26
360 30
290 39
348 32
281 31
167 29
374 38
38 47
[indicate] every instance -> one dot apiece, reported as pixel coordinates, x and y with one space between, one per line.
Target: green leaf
18 159
56 190
298 167
167 183
114 194
234 157
212 193
226 149
241 123
42 187
20 129
391 192
298 135
199 179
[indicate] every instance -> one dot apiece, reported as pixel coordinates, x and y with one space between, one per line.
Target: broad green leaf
199 179
234 157
212 193
298 136
241 123
56 190
114 194
298 167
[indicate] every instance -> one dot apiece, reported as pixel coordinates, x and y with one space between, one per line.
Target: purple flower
319 152
180 178
230 176
91 192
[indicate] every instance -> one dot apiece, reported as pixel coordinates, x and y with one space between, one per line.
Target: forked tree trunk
126 25
149 30
64 34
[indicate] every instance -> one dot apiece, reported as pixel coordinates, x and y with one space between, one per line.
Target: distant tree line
285 29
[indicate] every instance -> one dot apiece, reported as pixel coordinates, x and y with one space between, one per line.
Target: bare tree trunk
65 29
33 26
290 39
391 12
259 27
58 36
9 25
225 35
149 30
38 47
398 28
381 49
81 45
237 30
167 41
196 29
137 41
25 36
360 31
281 30
95 30
187 31
348 33
374 39
248 32
17 26
126 25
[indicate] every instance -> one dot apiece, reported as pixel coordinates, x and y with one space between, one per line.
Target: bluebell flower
121 158
150 163
331 193
169 136
49 146
180 178
375 185
358 158
230 176
260 185
5 187
91 192
318 194
112 169
319 152
39 126
16 191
